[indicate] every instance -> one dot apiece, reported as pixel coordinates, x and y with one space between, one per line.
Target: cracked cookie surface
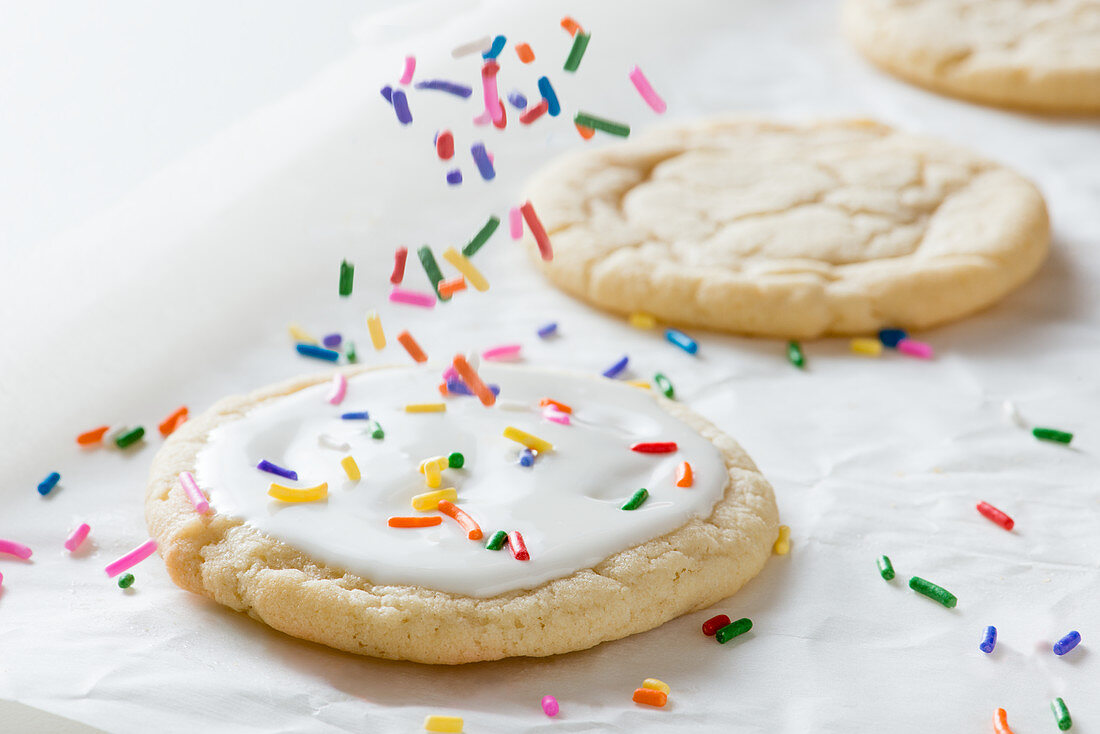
1041 55
795 231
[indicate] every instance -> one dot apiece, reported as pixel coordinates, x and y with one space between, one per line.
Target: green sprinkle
431 267
795 355
1061 714
885 568
347 274
497 541
376 430
598 123
636 499
481 237
1051 434
665 385
132 436
126 580
580 43
456 460
938 593
733 629
349 352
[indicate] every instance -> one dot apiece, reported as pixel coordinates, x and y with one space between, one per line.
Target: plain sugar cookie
603 537
1041 55
789 230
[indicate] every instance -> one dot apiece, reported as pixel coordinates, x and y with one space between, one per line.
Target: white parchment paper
181 294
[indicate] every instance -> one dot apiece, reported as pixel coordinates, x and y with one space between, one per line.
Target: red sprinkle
712 625
655 447
503 121
172 422
996 515
399 265
537 231
445 146
515 544
534 113
93 436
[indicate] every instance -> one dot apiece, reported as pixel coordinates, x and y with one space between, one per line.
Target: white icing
566 506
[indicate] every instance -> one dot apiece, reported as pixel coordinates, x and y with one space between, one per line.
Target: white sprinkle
331 443
1012 415
474 360
481 44
518 405
109 439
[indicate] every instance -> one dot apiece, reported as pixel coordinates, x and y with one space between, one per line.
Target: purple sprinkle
459 90
615 369
548 330
401 107
456 386
387 92
332 340
454 177
481 158
270 468
527 457
518 100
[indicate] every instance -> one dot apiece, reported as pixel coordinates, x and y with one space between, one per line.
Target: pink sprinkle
489 88
410 67
550 705
501 353
483 119
339 389
915 348
515 222
642 85
451 373
413 298
16 549
191 487
551 413
77 537
134 557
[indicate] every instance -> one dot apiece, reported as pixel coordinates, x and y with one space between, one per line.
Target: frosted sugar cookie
515 559
789 230
1041 55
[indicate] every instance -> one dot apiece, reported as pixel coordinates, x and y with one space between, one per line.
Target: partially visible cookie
1041 55
789 230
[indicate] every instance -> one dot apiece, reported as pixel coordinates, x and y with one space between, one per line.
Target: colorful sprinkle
782 544
401 107
1071 640
650 697
715 623
885 568
1000 722
655 684
430 500
534 113
48 483
989 640
1061 714
329 442
556 404
580 44
332 341
374 326
456 460
497 541
470 47
515 223
654 447
433 473
866 347
550 705
467 268
448 508
470 376
291 494
1012 415
547 92
682 340
339 389
571 25
526 458
481 158
685 477
598 123
431 267
936 593
996 515
194 494
891 337
1051 434
646 90
438 462
73 541
173 421
454 176
795 355
489 89
517 546
312 350
548 330
387 93
298 334
414 350
640 384
456 386
399 257
448 724
459 90
347 278
481 237
494 50
376 431
130 437
125 581
350 468
15 549
524 52
449 287
277 470
915 348
445 145
517 100
640 320
733 629
616 369
131 559
636 499
410 67
585 132
426 408
664 385
92 437
349 353
532 442
502 352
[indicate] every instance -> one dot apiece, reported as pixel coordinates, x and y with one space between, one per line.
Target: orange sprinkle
1000 722
560 406
571 25
473 530
685 477
526 55
650 697
586 132
443 389
172 422
473 381
449 287
412 347
92 437
415 522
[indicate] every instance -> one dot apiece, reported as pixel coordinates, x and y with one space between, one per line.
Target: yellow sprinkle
306 494
656 685
640 383
868 347
641 320
532 442
467 268
374 324
783 543
440 461
425 407
350 468
298 334
432 475
430 500
451 724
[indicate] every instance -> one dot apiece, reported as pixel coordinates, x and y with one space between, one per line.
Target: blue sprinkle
682 340
481 158
387 93
891 337
617 368
548 330
360 416
401 107
459 90
312 350
454 177
547 92
48 483
270 468
495 49
332 340
989 641
1067 643
518 100
527 458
